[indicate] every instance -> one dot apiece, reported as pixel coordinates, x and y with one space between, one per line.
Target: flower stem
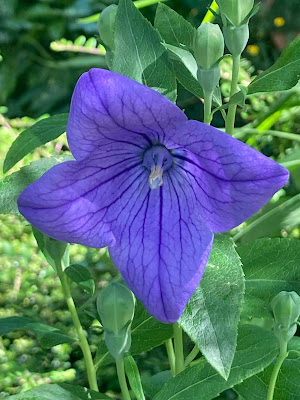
91 372
207 107
282 356
171 355
230 119
191 356
122 379
179 357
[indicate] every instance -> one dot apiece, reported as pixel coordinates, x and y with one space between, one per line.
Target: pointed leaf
12 186
256 350
287 385
48 335
59 391
282 75
82 276
211 316
138 52
270 266
173 28
134 378
38 134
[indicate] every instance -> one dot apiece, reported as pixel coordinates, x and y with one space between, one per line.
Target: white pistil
155 178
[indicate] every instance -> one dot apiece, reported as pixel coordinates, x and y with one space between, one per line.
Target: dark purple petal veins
229 180
161 247
71 201
109 110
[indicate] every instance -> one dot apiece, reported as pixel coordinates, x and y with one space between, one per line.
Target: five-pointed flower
149 184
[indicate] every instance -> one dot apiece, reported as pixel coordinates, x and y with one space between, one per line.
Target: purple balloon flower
149 184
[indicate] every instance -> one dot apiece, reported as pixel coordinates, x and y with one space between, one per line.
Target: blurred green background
45 46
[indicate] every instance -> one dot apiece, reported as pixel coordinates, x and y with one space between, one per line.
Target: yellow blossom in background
252 49
279 22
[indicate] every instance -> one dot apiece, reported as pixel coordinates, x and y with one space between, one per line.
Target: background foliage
45 46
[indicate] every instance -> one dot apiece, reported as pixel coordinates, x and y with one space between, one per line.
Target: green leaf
136 58
47 335
173 28
287 384
153 384
38 134
270 266
283 75
256 350
12 186
146 333
271 222
134 378
211 316
82 276
52 249
59 392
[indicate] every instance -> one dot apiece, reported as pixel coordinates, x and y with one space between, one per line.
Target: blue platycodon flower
150 185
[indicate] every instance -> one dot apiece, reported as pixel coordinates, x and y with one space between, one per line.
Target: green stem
191 356
239 134
179 357
282 356
91 372
171 355
207 107
230 119
122 379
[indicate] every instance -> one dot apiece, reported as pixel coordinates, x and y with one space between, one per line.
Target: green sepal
209 78
236 38
118 343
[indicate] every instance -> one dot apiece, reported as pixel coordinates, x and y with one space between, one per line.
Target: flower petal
70 201
230 180
110 110
161 247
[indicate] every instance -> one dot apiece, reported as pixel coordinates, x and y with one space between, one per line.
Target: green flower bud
106 25
208 45
286 310
209 78
119 343
115 305
236 38
234 12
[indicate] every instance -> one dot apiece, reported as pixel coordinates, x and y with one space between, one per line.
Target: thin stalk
171 355
252 131
282 356
122 379
179 357
207 107
90 368
193 354
230 119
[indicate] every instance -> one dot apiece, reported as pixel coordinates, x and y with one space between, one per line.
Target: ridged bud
234 12
208 45
106 25
286 310
236 38
115 305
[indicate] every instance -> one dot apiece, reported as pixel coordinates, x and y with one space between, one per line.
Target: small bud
208 45
234 12
236 38
286 310
115 305
119 343
106 25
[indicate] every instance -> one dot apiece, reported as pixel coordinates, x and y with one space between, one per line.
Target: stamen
157 159
155 178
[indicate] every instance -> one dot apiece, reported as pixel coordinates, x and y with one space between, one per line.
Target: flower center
157 159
